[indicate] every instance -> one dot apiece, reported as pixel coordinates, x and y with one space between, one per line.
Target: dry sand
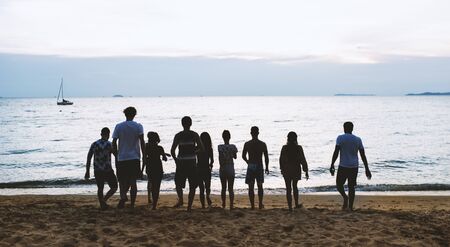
76 221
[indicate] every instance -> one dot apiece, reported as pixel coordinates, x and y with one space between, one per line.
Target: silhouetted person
255 171
227 152
348 145
154 169
292 160
205 160
188 143
102 150
131 138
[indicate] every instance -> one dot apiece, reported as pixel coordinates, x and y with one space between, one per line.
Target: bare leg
295 190
112 190
155 192
192 189
124 186
180 196
133 192
101 200
223 192
351 194
231 192
149 191
340 188
251 194
208 191
202 193
287 181
260 195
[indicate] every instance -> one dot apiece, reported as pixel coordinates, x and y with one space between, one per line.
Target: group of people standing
194 162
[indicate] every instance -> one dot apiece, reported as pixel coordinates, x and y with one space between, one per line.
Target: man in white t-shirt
131 143
348 145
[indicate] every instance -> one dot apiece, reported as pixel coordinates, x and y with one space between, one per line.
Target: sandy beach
76 221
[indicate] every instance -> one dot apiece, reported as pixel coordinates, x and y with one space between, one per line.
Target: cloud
286 32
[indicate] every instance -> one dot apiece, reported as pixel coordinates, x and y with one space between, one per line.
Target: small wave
57 140
56 183
21 151
283 121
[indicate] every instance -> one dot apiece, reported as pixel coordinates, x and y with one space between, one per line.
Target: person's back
291 159
154 153
349 146
128 132
255 149
186 145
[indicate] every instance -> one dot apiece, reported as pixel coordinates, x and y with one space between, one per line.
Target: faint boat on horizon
61 93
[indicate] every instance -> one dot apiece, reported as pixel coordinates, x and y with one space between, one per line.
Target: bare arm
88 163
244 153
333 160
174 146
304 162
366 164
163 154
200 147
266 158
282 160
114 145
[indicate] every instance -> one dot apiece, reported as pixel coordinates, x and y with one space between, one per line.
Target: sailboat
61 93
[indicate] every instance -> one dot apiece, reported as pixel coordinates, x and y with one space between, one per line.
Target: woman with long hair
292 160
205 160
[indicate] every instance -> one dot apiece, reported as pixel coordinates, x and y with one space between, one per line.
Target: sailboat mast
62 88
59 92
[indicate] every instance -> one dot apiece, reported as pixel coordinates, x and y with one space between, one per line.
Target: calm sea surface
43 146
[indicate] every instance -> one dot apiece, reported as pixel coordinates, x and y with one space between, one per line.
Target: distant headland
353 94
118 96
429 94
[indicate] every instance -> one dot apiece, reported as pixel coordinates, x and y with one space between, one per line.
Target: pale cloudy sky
283 33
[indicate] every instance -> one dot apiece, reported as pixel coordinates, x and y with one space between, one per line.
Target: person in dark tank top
189 144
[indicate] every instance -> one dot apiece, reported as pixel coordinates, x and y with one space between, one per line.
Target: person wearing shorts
103 172
189 144
255 171
227 154
130 135
347 147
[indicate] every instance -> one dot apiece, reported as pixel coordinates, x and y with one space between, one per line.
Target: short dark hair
130 112
153 137
105 131
186 121
348 127
254 130
226 134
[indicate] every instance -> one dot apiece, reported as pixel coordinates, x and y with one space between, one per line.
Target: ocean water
43 146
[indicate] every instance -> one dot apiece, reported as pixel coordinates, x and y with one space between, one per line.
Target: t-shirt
186 145
226 154
153 154
128 133
102 150
348 147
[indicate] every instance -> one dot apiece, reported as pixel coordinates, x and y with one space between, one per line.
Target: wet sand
74 220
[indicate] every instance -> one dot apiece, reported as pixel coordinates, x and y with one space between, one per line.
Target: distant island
353 94
429 94
118 96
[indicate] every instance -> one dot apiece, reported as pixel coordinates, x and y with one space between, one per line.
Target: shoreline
74 220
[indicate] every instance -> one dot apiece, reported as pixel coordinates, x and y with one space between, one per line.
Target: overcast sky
312 47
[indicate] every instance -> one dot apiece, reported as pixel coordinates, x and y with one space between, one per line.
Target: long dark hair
206 140
292 146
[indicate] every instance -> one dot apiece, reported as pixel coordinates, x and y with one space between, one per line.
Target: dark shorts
128 170
345 173
105 176
186 169
254 172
